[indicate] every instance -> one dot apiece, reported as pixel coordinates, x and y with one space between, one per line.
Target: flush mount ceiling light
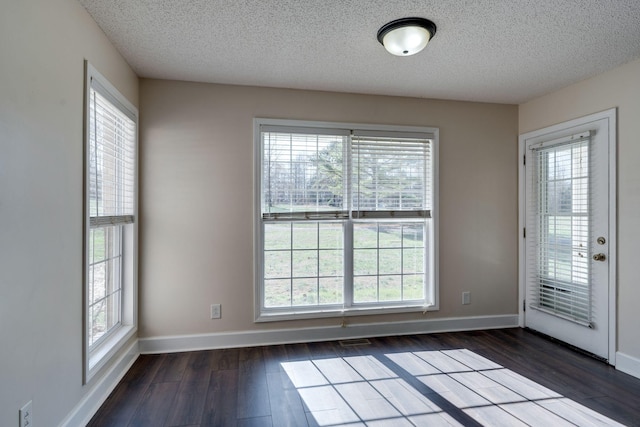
406 36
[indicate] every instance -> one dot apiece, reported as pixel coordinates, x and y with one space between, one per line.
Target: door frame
611 116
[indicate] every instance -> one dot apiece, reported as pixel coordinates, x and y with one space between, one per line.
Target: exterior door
567 236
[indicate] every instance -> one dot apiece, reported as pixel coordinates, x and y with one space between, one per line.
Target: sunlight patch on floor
429 388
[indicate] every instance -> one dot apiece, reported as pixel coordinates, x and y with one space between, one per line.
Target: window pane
413 260
277 236
277 293
105 280
308 275
365 262
277 264
330 290
390 235
331 236
113 310
391 173
365 289
112 137
305 291
413 235
97 245
561 209
99 283
305 236
331 263
90 284
302 172
391 288
114 280
103 316
365 235
97 321
413 287
390 261
305 264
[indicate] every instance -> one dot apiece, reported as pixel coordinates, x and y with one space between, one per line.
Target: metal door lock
601 240
599 257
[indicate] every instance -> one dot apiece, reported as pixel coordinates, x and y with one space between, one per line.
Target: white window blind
112 138
560 216
391 176
304 174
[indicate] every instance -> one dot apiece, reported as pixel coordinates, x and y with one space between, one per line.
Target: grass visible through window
304 263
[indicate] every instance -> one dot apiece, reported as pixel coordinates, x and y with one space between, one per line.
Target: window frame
96 356
263 314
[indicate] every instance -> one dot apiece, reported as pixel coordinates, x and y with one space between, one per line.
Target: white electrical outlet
25 415
466 298
216 311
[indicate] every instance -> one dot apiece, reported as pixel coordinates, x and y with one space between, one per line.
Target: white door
568 231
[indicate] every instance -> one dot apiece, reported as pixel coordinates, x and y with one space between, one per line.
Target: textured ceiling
506 51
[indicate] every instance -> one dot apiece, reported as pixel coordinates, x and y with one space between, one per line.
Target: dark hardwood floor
501 377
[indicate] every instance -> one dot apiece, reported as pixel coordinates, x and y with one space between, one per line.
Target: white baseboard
169 344
628 364
89 405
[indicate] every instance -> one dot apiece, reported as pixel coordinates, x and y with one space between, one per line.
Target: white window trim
324 312
105 351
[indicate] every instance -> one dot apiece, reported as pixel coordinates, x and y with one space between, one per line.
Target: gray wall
196 241
43 44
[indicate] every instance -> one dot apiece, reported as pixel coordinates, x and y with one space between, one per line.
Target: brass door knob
599 257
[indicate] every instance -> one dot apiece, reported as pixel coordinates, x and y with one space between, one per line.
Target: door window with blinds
110 209
559 215
346 218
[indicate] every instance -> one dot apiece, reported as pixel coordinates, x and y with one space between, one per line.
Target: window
110 220
560 209
346 220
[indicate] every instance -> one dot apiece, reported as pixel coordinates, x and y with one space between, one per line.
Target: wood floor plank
144 369
285 403
336 370
172 368
305 373
225 359
250 353
625 412
321 350
189 403
560 368
253 392
274 355
256 422
154 408
222 399
298 351
406 343
123 402
199 366
120 406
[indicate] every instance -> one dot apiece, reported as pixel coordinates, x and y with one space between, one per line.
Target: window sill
105 352
275 316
